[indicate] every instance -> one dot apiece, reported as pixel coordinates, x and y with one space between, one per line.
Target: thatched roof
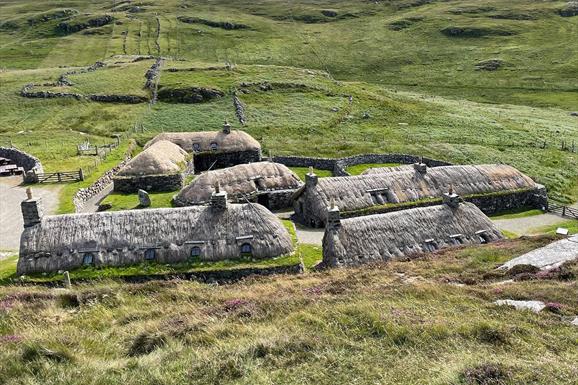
385 170
238 181
405 233
163 157
362 191
119 238
235 141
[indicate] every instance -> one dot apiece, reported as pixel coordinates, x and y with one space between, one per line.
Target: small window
195 252
430 245
246 249
214 146
197 147
150 254
483 236
88 259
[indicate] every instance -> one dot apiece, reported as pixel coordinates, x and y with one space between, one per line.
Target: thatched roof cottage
215 149
492 187
404 234
215 232
270 184
160 167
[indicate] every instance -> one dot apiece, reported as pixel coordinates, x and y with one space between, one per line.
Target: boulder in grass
535 306
143 198
570 9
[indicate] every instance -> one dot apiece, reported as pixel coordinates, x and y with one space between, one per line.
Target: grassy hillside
429 321
290 111
398 44
417 70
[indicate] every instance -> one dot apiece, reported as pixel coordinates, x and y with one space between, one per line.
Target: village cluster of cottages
225 212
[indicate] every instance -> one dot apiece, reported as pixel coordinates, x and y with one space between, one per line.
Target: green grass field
430 321
421 88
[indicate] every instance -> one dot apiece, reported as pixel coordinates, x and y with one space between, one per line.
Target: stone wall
489 204
149 183
343 163
338 165
216 160
495 203
84 194
24 160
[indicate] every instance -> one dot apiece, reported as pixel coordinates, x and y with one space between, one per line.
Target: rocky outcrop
401 24
570 9
188 95
470 32
72 27
489 65
55 15
215 24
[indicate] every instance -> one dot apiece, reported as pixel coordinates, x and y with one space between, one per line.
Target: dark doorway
263 199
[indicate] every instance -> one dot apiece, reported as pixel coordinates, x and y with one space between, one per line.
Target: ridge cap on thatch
406 233
240 180
201 141
161 158
361 191
55 243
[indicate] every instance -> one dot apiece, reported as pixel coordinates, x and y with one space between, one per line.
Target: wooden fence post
59 177
80 174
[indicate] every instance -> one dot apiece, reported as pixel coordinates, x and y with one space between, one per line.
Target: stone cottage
215 149
493 188
215 232
269 184
160 167
404 234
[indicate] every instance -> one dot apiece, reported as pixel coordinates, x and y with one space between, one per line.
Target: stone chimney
420 167
333 216
311 178
451 199
219 199
31 209
226 128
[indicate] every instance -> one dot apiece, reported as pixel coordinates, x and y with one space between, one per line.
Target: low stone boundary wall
85 194
489 204
30 163
338 165
343 163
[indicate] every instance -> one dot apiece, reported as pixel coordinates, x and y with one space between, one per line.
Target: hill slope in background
436 46
417 70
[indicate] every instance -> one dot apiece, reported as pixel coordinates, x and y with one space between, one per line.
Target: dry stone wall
338 165
30 163
85 194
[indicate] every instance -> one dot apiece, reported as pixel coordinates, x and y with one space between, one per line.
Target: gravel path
11 194
525 226
91 206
